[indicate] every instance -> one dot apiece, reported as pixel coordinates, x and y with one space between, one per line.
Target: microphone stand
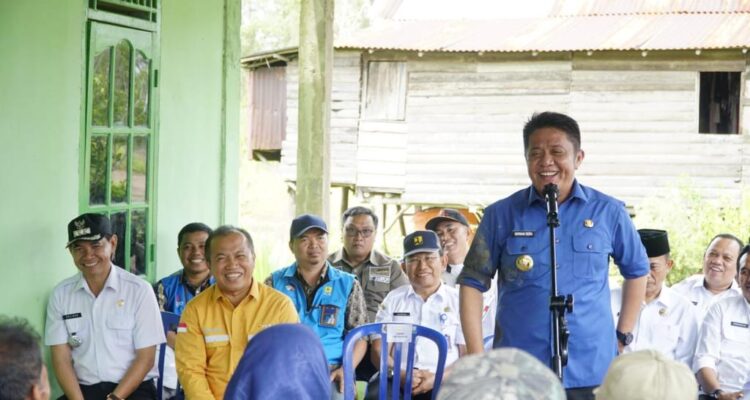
558 304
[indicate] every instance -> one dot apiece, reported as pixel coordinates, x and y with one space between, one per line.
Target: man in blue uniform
328 300
513 241
175 290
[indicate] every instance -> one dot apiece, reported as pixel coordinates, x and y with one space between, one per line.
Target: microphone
550 195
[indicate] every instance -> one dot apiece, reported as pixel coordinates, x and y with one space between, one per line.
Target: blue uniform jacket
328 313
593 228
175 293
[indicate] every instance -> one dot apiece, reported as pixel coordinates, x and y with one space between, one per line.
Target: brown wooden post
313 143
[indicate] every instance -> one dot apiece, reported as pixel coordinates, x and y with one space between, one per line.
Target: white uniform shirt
124 317
668 324
439 312
692 288
724 343
489 303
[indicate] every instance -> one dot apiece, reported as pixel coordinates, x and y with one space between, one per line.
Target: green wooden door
120 139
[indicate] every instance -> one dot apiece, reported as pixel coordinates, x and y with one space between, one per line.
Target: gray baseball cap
505 374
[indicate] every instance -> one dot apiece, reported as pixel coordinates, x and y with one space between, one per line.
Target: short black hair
550 119
191 228
359 210
745 251
20 358
726 236
226 230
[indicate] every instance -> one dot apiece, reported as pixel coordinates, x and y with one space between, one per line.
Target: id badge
328 315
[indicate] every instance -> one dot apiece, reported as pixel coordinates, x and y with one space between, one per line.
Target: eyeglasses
353 232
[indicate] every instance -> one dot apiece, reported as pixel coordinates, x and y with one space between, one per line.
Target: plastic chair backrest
381 328
169 321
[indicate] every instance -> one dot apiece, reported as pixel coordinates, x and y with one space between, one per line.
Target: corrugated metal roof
622 7
576 33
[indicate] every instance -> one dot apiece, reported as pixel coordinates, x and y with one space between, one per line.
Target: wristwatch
624 337
715 394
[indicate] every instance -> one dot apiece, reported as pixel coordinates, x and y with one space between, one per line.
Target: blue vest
173 293
326 317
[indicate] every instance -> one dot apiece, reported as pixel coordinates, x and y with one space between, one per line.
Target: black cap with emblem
655 241
89 227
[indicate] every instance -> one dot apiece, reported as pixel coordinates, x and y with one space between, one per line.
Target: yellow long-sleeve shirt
213 334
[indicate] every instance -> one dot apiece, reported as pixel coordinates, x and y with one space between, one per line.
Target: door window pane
120 169
119 224
140 89
122 83
138 242
140 166
98 170
100 89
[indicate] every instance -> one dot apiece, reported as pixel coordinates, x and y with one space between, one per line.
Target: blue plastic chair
169 322
381 329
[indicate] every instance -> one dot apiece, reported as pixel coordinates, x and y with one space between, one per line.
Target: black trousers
581 393
145 391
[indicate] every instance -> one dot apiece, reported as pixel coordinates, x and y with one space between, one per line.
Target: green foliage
691 221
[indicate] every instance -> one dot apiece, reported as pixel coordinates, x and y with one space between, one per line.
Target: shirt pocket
735 339
80 327
591 251
524 249
121 327
666 337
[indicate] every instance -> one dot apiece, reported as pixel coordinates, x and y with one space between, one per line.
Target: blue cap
421 242
304 223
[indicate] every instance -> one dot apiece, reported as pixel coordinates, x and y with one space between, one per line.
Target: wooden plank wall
461 143
345 110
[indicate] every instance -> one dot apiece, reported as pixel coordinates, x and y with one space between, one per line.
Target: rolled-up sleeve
708 349
627 250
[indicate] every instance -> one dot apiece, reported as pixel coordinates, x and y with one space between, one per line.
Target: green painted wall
42 49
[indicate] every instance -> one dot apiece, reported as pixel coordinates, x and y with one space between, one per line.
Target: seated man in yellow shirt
217 324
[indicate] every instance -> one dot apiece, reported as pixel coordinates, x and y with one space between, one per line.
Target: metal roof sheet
573 33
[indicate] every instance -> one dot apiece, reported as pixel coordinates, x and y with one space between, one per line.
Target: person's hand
730 396
337 375
426 381
620 347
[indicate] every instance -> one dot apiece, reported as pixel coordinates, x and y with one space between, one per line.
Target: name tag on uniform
71 316
380 274
523 233
739 324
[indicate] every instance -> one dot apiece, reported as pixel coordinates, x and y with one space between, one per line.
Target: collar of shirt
699 283
113 280
253 293
576 191
439 294
666 298
195 289
376 258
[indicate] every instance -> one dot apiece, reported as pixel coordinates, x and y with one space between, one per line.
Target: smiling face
720 264
552 158
454 239
310 249
191 252
745 277
424 271
232 264
93 258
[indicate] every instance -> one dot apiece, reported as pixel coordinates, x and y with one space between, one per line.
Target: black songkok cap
655 241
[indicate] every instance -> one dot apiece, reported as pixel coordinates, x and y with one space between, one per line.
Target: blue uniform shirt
593 227
173 292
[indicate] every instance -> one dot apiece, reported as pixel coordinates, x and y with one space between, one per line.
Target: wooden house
430 112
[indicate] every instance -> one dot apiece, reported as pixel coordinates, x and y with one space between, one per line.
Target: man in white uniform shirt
453 230
426 301
103 324
722 357
717 281
667 321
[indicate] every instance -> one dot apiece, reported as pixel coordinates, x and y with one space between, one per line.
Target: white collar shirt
489 303
439 312
692 288
124 317
724 343
667 324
